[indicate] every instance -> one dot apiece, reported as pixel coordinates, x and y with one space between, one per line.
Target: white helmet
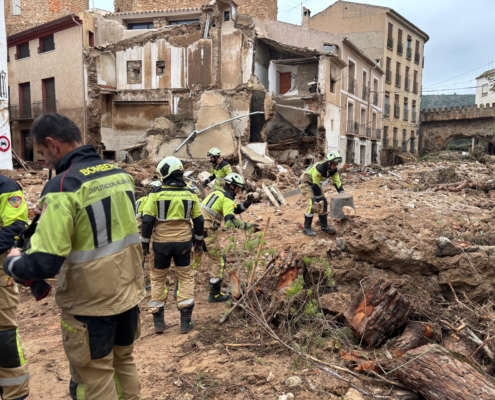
334 156
234 179
214 152
169 165
153 185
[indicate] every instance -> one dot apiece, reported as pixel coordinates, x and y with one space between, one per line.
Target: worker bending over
220 169
14 376
310 185
220 205
167 219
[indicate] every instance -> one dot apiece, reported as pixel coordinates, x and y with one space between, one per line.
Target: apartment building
45 74
397 46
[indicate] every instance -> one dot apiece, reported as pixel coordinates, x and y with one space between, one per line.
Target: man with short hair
14 376
219 170
87 234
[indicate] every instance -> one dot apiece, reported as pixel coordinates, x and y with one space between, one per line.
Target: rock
293 381
340 244
445 248
353 394
269 377
288 396
163 123
405 395
178 383
335 303
186 396
410 205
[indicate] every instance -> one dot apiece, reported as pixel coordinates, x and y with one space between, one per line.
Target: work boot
186 322
324 224
307 226
159 320
216 296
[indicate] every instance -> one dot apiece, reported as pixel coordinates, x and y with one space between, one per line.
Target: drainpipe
83 81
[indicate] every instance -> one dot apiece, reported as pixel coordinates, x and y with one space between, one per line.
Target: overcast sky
461 35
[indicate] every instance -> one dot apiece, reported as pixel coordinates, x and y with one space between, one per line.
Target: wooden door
285 82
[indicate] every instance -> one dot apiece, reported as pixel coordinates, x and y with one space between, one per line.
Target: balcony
413 116
388 76
350 126
375 98
406 113
356 128
415 87
407 84
397 80
390 42
387 110
351 85
366 93
396 111
43 107
404 146
400 48
409 53
27 111
368 132
416 58
396 143
377 134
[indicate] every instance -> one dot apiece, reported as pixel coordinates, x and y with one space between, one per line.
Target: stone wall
38 12
266 9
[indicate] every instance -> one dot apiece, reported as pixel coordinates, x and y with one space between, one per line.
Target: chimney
306 14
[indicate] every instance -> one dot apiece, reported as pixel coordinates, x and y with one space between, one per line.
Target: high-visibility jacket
88 234
319 172
220 205
140 206
219 172
13 220
167 215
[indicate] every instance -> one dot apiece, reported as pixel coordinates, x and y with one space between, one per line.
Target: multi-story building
46 73
484 94
397 46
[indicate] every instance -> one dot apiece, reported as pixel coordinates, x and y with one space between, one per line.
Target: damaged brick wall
266 9
37 12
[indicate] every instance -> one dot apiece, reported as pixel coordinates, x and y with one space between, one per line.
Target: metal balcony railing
42 107
366 93
377 134
350 126
415 87
388 76
351 85
408 53
397 80
375 98
406 113
396 111
390 42
368 132
416 58
407 83
32 110
356 128
413 116
387 109
400 48
396 143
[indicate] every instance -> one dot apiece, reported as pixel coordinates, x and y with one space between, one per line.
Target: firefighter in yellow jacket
310 185
167 218
220 205
14 376
220 169
87 234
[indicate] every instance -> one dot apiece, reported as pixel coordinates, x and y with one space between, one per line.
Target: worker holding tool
87 234
220 205
310 185
167 218
14 376
220 169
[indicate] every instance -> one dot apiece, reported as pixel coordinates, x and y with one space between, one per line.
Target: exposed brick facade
37 12
262 9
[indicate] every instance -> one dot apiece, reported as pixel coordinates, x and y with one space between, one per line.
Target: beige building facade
46 74
397 46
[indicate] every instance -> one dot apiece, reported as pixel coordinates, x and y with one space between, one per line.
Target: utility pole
5 139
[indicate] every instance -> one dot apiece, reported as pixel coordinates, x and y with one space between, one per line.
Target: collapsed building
277 85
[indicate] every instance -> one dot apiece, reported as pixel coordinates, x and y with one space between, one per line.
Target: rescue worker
220 169
220 205
14 376
167 218
87 234
310 185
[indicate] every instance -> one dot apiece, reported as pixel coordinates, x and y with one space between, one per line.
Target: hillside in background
446 100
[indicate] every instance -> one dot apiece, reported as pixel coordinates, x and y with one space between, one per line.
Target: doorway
285 82
362 155
27 148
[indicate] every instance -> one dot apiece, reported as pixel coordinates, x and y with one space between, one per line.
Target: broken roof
147 12
486 73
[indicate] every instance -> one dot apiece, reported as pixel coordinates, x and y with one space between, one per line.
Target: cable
459 75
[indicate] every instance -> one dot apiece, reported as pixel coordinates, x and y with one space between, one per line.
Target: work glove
146 248
199 247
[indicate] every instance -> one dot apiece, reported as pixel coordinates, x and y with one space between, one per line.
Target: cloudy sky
461 44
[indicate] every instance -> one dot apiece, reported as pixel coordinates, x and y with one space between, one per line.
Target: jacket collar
82 153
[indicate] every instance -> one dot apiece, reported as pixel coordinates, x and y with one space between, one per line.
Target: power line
446 80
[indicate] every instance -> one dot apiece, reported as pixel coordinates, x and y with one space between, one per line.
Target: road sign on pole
5 139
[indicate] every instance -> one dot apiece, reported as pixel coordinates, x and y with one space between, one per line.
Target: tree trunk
431 371
379 313
417 334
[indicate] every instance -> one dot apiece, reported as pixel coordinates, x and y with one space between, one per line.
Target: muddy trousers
163 254
308 193
14 376
99 350
214 253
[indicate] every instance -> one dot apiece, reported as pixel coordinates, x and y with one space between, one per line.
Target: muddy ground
399 219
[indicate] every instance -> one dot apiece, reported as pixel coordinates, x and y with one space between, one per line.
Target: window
397 75
351 84
413 111
16 7
226 16
416 52
415 82
390 39
404 140
48 93
183 22
484 90
387 104
407 80
46 44
91 39
22 51
406 109
385 137
399 42
160 68
397 106
396 141
409 47
134 69
388 76
25 100
333 77
27 148
329 48
140 25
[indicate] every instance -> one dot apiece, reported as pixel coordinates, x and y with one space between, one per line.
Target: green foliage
295 287
311 308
